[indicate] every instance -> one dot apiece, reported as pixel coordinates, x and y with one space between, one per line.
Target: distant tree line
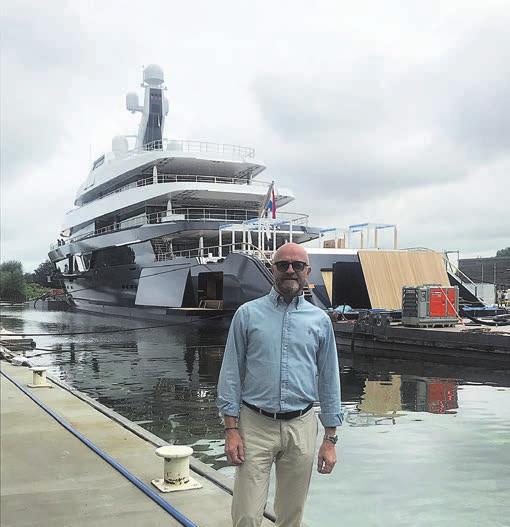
16 286
504 252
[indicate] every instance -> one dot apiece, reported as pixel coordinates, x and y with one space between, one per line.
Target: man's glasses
283 265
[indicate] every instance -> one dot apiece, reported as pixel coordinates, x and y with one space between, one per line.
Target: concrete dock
49 477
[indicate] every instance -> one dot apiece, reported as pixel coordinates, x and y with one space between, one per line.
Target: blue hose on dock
117 466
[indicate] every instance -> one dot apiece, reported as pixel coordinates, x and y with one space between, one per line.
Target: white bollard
39 378
176 469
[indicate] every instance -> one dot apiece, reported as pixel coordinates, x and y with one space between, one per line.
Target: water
422 444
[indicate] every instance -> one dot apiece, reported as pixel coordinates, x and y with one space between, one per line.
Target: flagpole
273 202
267 199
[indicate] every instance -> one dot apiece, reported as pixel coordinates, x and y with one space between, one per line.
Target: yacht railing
216 214
197 147
214 251
187 178
191 214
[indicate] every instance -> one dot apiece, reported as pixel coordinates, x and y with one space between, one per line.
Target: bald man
280 357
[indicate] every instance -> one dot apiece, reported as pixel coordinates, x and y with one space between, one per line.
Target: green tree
33 290
503 252
12 282
40 275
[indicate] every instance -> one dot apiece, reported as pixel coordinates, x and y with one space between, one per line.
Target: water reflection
384 400
447 427
380 403
165 378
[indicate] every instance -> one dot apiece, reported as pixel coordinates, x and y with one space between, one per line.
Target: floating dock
14 343
478 344
50 477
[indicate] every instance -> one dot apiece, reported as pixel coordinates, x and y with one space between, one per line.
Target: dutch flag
272 204
269 203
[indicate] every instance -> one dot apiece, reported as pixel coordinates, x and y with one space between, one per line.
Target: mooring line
111 331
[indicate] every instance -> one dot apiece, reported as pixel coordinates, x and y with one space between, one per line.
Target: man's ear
308 271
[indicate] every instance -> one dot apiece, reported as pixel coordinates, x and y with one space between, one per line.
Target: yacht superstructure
167 226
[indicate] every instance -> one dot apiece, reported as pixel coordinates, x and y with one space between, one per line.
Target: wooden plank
327 277
386 272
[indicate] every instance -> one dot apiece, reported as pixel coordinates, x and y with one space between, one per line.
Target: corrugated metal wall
494 270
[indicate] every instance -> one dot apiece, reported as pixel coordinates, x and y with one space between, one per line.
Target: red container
430 305
442 302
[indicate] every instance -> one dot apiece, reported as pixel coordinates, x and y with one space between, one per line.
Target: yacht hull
184 288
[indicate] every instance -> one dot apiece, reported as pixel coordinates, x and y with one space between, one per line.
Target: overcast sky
394 112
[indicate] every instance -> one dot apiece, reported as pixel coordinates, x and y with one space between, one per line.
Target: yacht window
98 162
63 266
86 261
112 256
78 263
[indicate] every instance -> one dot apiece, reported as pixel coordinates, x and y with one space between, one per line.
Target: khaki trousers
291 446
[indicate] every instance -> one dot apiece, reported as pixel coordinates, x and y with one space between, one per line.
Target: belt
283 415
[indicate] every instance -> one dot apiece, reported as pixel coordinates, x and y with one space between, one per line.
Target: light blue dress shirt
280 357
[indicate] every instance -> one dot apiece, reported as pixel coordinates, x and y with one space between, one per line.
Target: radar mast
154 109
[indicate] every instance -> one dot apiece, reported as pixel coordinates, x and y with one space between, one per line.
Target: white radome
153 75
132 103
120 146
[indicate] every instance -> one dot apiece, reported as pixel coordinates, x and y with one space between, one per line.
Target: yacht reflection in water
383 401
165 379
192 401
380 390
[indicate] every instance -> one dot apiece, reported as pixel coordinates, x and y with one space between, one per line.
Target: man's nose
290 269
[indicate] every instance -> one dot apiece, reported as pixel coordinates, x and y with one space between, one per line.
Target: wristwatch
333 439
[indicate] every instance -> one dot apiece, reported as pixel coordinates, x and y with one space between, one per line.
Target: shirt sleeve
233 367
329 378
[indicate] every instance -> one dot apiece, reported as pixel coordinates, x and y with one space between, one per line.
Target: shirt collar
276 298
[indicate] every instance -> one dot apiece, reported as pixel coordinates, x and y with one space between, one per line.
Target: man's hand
234 447
327 457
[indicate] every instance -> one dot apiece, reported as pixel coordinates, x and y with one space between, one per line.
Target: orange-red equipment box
430 305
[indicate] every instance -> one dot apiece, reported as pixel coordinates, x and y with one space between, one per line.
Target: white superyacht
175 227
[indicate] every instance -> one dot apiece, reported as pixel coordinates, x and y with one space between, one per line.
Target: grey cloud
51 37
377 130
31 216
40 55
363 169
297 106
477 76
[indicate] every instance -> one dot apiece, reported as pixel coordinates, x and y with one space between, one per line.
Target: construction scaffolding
369 232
